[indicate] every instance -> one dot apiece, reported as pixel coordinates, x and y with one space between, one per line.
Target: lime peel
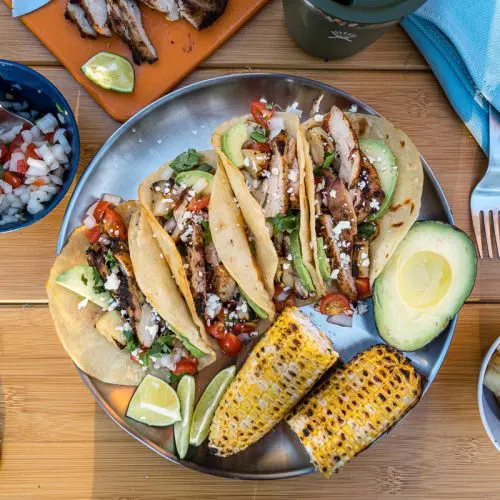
186 392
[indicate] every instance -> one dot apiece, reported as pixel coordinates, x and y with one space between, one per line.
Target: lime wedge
185 391
205 409
110 71
154 403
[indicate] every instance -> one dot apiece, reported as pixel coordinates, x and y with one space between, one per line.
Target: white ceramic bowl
489 409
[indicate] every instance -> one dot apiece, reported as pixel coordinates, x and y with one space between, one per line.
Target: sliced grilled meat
211 255
76 14
293 174
348 160
320 144
201 13
277 199
360 258
340 257
168 7
196 256
166 197
126 22
224 285
367 193
96 13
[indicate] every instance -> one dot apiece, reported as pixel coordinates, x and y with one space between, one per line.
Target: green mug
334 29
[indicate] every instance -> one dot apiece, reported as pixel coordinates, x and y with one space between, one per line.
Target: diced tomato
230 344
363 287
197 205
261 114
49 137
31 153
21 167
26 127
100 209
39 182
216 329
326 123
335 303
93 234
113 224
4 152
16 143
12 178
247 327
262 147
290 301
187 365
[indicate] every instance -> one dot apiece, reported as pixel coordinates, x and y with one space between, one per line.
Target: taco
199 227
364 182
115 305
263 156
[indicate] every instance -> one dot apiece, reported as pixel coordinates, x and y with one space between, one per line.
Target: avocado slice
191 177
233 141
258 311
85 281
324 265
424 284
383 160
298 263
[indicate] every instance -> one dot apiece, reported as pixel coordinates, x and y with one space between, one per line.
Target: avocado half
424 284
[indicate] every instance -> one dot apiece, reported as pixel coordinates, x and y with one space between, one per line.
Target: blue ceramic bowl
28 85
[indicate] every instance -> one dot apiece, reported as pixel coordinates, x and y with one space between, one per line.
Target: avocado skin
381 295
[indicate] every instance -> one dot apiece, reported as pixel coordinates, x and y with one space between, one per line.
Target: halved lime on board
186 391
154 403
110 72
205 409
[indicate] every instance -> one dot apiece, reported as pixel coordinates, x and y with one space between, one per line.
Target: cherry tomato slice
12 178
21 167
261 114
216 329
187 365
16 143
290 301
113 224
100 209
246 327
93 234
335 303
230 344
4 153
326 123
363 287
262 147
31 153
200 204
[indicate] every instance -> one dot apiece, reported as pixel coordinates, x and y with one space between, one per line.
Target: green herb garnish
84 279
207 235
328 160
258 135
283 223
172 378
131 340
110 260
162 345
206 167
367 230
186 161
98 283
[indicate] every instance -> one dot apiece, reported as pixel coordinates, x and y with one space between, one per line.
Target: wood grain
263 42
416 104
58 444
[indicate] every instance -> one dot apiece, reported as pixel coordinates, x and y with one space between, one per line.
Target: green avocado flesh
81 280
191 177
298 263
424 285
324 266
232 142
258 311
383 160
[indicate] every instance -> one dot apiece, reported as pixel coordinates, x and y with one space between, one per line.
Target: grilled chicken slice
196 256
348 159
127 294
148 327
320 144
367 193
77 15
361 258
224 285
211 255
126 22
201 13
96 13
168 7
340 257
277 199
166 197
293 174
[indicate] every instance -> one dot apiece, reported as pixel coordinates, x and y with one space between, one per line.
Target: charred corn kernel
283 366
355 406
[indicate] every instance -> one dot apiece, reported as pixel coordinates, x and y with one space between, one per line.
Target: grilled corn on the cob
280 370
355 406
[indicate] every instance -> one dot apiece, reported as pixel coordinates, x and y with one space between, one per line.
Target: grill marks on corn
355 406
280 370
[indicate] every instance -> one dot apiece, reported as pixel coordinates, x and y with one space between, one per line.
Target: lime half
185 390
205 409
154 403
110 71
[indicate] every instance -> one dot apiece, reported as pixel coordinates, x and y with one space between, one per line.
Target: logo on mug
342 35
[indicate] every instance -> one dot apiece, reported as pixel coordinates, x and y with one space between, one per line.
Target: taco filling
180 203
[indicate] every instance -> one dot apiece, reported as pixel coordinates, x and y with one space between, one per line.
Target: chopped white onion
59 154
27 135
91 209
276 124
56 180
37 167
47 123
61 139
35 131
89 221
199 186
61 119
340 320
113 199
46 153
167 173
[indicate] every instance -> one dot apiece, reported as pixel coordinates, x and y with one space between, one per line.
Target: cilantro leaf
258 135
162 345
207 235
110 260
172 378
283 223
98 283
131 340
84 279
186 161
328 160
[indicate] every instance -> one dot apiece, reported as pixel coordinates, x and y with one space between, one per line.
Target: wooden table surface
54 440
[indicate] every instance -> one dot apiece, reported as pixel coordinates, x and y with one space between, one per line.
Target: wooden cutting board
179 46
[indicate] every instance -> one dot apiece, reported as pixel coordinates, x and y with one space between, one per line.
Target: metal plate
186 118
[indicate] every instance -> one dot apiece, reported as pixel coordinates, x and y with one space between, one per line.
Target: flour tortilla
267 258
